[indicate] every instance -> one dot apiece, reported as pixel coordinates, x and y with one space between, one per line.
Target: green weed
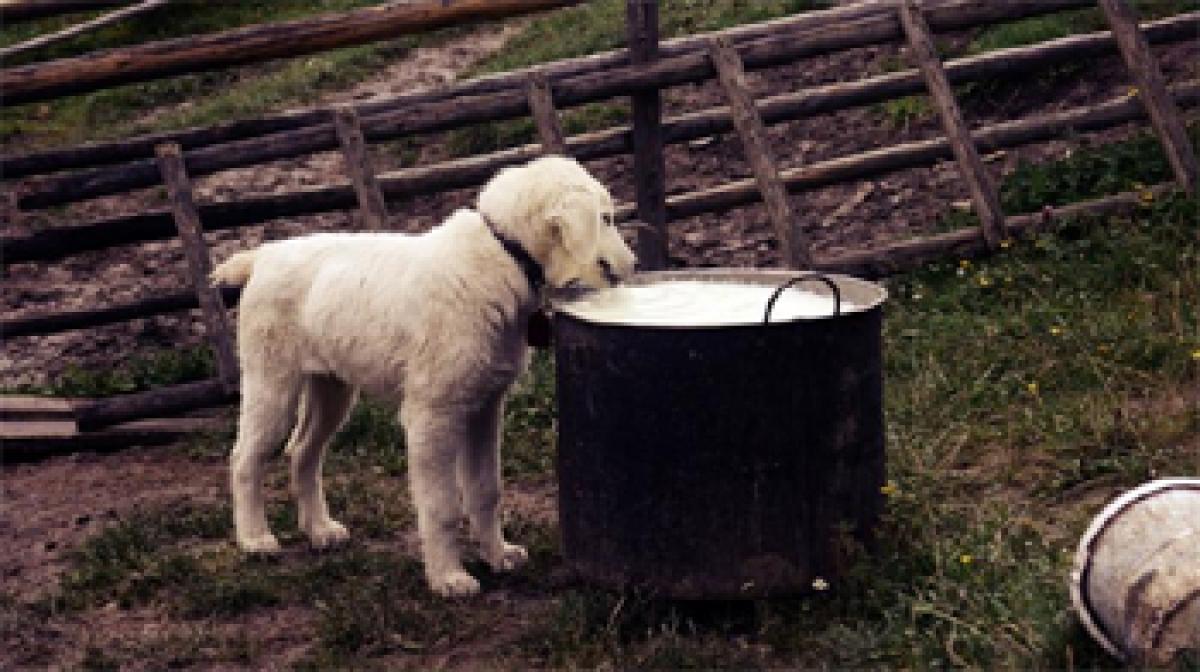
143 371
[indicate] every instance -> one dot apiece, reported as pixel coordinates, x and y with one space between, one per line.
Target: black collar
529 265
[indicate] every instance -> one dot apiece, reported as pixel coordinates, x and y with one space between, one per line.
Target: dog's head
564 217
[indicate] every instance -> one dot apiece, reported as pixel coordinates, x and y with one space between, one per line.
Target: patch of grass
143 371
529 437
1088 173
599 26
199 99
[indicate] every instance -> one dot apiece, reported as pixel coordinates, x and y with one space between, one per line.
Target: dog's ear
574 223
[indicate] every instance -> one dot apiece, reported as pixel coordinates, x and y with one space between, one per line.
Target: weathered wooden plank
156 403
191 233
545 117
1152 91
151 432
984 194
649 164
24 407
753 133
53 323
357 156
15 430
154 60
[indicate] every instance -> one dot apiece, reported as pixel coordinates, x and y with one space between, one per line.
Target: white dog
433 322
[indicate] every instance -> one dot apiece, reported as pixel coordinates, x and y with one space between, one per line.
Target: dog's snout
606 268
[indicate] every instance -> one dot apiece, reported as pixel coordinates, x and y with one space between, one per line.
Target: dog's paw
508 558
327 534
455 583
263 544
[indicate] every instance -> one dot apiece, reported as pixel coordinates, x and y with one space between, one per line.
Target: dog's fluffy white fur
433 322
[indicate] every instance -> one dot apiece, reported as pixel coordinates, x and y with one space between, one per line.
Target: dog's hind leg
435 438
325 402
267 412
479 481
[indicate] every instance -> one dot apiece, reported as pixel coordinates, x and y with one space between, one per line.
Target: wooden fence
641 72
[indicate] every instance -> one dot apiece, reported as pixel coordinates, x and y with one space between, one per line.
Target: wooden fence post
358 164
983 191
545 117
1152 90
212 307
753 132
649 166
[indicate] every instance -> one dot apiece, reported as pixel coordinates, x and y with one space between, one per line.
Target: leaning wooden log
42 325
104 153
793 246
1152 91
545 116
50 244
970 243
143 62
14 11
156 403
357 156
984 194
446 115
43 41
217 328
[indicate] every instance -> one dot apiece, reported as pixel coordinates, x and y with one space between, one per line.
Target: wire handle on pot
837 293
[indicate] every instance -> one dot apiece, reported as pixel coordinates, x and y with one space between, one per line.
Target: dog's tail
235 271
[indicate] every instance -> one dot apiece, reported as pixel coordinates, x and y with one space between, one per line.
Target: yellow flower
1033 388
820 584
1133 91
985 281
890 489
966 558
964 263
1146 197
1196 354
1056 330
1006 243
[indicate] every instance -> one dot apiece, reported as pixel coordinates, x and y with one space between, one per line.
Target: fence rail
942 15
167 58
55 243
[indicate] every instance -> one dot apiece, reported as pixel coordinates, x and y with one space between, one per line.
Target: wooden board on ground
28 407
22 441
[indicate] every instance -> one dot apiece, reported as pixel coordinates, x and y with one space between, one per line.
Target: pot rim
864 294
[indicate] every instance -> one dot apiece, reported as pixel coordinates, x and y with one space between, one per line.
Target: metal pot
721 462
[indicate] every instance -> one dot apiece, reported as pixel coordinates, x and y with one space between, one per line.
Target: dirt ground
49 507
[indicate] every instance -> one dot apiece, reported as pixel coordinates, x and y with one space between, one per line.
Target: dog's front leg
479 480
434 441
